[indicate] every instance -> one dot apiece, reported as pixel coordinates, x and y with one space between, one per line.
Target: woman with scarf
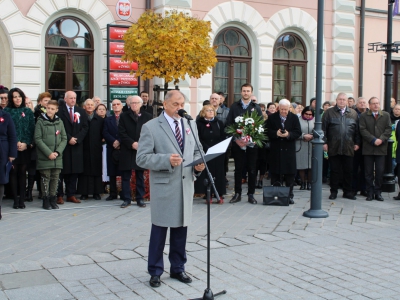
304 147
211 132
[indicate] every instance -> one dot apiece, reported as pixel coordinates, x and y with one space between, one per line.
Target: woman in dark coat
90 181
283 131
129 127
24 122
211 132
8 148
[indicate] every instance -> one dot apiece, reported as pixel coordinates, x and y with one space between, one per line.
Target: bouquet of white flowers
249 128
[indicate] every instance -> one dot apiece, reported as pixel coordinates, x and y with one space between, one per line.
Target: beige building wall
23 24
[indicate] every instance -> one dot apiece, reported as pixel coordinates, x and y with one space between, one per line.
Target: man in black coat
146 107
110 134
283 131
129 128
90 181
239 109
76 125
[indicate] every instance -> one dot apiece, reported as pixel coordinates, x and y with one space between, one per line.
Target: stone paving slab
95 250
39 292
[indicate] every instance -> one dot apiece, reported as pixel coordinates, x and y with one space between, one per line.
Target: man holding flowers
244 144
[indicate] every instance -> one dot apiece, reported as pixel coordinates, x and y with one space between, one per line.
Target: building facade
60 45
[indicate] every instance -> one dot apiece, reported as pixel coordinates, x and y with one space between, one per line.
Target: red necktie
376 116
71 115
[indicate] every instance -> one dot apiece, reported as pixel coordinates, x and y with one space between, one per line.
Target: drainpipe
361 52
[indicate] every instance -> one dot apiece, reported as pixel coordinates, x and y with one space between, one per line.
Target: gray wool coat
171 188
303 148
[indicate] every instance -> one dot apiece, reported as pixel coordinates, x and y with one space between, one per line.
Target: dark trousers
371 161
113 186
70 184
177 249
341 170
239 156
289 180
358 183
126 185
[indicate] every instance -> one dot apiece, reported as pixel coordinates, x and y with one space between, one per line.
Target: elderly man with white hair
76 126
283 131
127 104
129 127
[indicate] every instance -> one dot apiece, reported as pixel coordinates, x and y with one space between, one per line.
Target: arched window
69 58
290 69
234 63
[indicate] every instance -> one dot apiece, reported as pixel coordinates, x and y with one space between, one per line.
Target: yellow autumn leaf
170 47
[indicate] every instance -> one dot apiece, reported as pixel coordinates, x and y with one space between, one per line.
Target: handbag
276 194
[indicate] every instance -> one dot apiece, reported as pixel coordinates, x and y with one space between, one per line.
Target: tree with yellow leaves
170 47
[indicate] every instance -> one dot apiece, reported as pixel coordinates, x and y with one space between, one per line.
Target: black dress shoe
291 201
370 197
111 197
397 197
182 277
236 198
333 196
364 193
155 281
141 203
251 199
84 197
96 197
125 204
379 197
349 196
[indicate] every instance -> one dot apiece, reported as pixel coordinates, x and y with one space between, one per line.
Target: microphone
184 114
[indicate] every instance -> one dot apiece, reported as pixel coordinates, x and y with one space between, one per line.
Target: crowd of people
71 150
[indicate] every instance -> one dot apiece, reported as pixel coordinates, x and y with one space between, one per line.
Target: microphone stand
208 294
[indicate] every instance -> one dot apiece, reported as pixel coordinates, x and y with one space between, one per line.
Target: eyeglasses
116 104
3 98
308 114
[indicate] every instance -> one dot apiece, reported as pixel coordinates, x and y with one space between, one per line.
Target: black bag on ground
276 194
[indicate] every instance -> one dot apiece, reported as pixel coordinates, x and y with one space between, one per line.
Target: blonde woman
211 132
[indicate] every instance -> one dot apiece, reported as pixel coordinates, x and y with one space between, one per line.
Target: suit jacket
171 188
73 154
283 150
129 132
110 134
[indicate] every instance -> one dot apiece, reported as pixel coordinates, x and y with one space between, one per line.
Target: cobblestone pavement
96 250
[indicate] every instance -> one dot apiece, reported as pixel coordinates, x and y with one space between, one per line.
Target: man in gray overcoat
166 144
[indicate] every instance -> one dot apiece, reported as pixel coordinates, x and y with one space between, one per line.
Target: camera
283 131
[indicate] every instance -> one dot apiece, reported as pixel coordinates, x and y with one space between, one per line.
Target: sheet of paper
213 152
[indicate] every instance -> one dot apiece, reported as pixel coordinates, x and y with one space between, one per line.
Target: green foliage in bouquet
249 128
